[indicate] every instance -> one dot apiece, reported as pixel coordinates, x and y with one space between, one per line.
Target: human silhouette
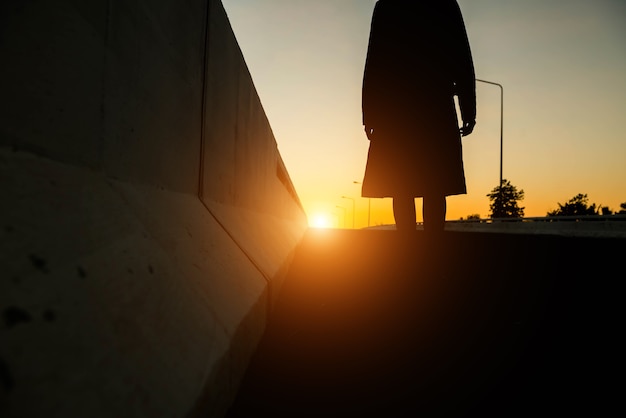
418 59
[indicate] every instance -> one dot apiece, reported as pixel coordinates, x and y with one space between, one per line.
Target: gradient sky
562 64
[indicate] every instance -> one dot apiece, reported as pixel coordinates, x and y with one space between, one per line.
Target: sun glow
320 221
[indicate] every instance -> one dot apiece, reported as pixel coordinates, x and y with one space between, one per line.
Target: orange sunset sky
562 64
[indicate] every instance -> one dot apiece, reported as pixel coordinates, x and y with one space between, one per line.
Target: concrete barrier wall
147 216
244 181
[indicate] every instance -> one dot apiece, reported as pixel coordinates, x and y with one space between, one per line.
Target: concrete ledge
128 300
269 241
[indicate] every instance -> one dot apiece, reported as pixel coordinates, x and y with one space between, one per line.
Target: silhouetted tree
605 210
576 206
623 209
473 216
504 200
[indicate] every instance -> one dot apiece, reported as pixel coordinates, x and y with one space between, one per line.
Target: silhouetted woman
418 59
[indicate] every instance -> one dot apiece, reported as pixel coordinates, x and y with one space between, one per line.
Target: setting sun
320 221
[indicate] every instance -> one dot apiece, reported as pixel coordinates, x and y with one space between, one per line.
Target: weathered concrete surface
137 258
480 325
125 292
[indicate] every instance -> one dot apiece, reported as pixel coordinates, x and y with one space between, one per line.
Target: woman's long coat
418 59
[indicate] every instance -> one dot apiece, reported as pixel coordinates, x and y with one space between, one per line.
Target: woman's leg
404 213
434 212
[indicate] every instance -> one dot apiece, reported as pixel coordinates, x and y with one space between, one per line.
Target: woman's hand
468 127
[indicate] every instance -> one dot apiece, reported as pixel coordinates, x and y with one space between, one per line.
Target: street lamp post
501 121
344 214
351 198
369 205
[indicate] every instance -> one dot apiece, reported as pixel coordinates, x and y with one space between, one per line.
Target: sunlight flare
320 221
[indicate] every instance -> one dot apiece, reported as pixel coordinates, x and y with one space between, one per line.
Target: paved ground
369 324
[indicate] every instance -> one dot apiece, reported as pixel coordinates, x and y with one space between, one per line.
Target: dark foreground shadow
368 324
